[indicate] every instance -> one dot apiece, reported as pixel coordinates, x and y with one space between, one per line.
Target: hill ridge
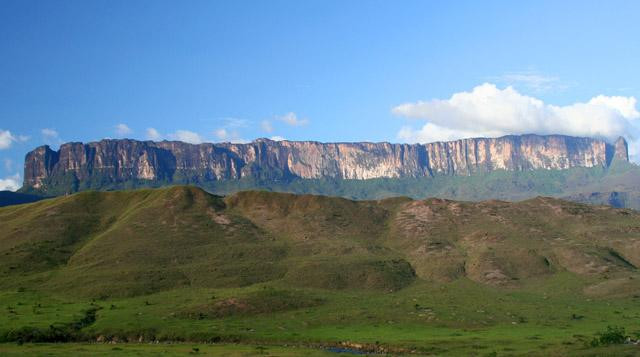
156 239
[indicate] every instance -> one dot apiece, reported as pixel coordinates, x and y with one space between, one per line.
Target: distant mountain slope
8 198
139 242
613 198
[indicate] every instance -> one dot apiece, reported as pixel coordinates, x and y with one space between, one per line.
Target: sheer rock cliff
120 161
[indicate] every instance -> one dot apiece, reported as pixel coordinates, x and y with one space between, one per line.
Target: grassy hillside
541 276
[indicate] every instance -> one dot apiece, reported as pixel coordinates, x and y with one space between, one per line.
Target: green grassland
161 271
457 319
90 350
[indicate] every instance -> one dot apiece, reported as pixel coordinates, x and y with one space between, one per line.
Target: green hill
432 276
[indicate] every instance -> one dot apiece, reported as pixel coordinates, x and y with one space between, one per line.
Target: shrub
54 333
614 335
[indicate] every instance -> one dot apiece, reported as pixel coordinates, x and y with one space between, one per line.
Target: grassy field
131 349
241 350
165 271
461 318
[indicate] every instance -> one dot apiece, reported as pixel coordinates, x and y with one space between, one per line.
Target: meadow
461 318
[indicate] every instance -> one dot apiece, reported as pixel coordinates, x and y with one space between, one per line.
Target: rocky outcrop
100 164
621 149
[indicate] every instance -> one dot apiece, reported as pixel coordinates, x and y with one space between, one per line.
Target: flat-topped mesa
113 163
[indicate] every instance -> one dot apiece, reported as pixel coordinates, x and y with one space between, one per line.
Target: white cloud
231 136
50 136
11 183
186 136
489 111
292 119
6 139
49 133
266 126
277 138
430 133
123 130
153 134
221 134
229 130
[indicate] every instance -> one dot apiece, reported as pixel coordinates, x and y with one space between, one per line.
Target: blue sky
312 70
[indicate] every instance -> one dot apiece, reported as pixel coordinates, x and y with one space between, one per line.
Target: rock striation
109 162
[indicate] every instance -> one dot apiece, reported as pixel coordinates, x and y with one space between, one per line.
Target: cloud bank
490 111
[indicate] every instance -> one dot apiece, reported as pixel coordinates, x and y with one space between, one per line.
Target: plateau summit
129 163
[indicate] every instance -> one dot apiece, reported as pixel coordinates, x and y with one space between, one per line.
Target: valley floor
131 349
462 318
238 350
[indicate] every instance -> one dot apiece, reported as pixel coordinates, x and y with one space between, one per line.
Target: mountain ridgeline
309 167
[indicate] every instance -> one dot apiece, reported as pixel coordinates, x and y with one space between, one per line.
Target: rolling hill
429 276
